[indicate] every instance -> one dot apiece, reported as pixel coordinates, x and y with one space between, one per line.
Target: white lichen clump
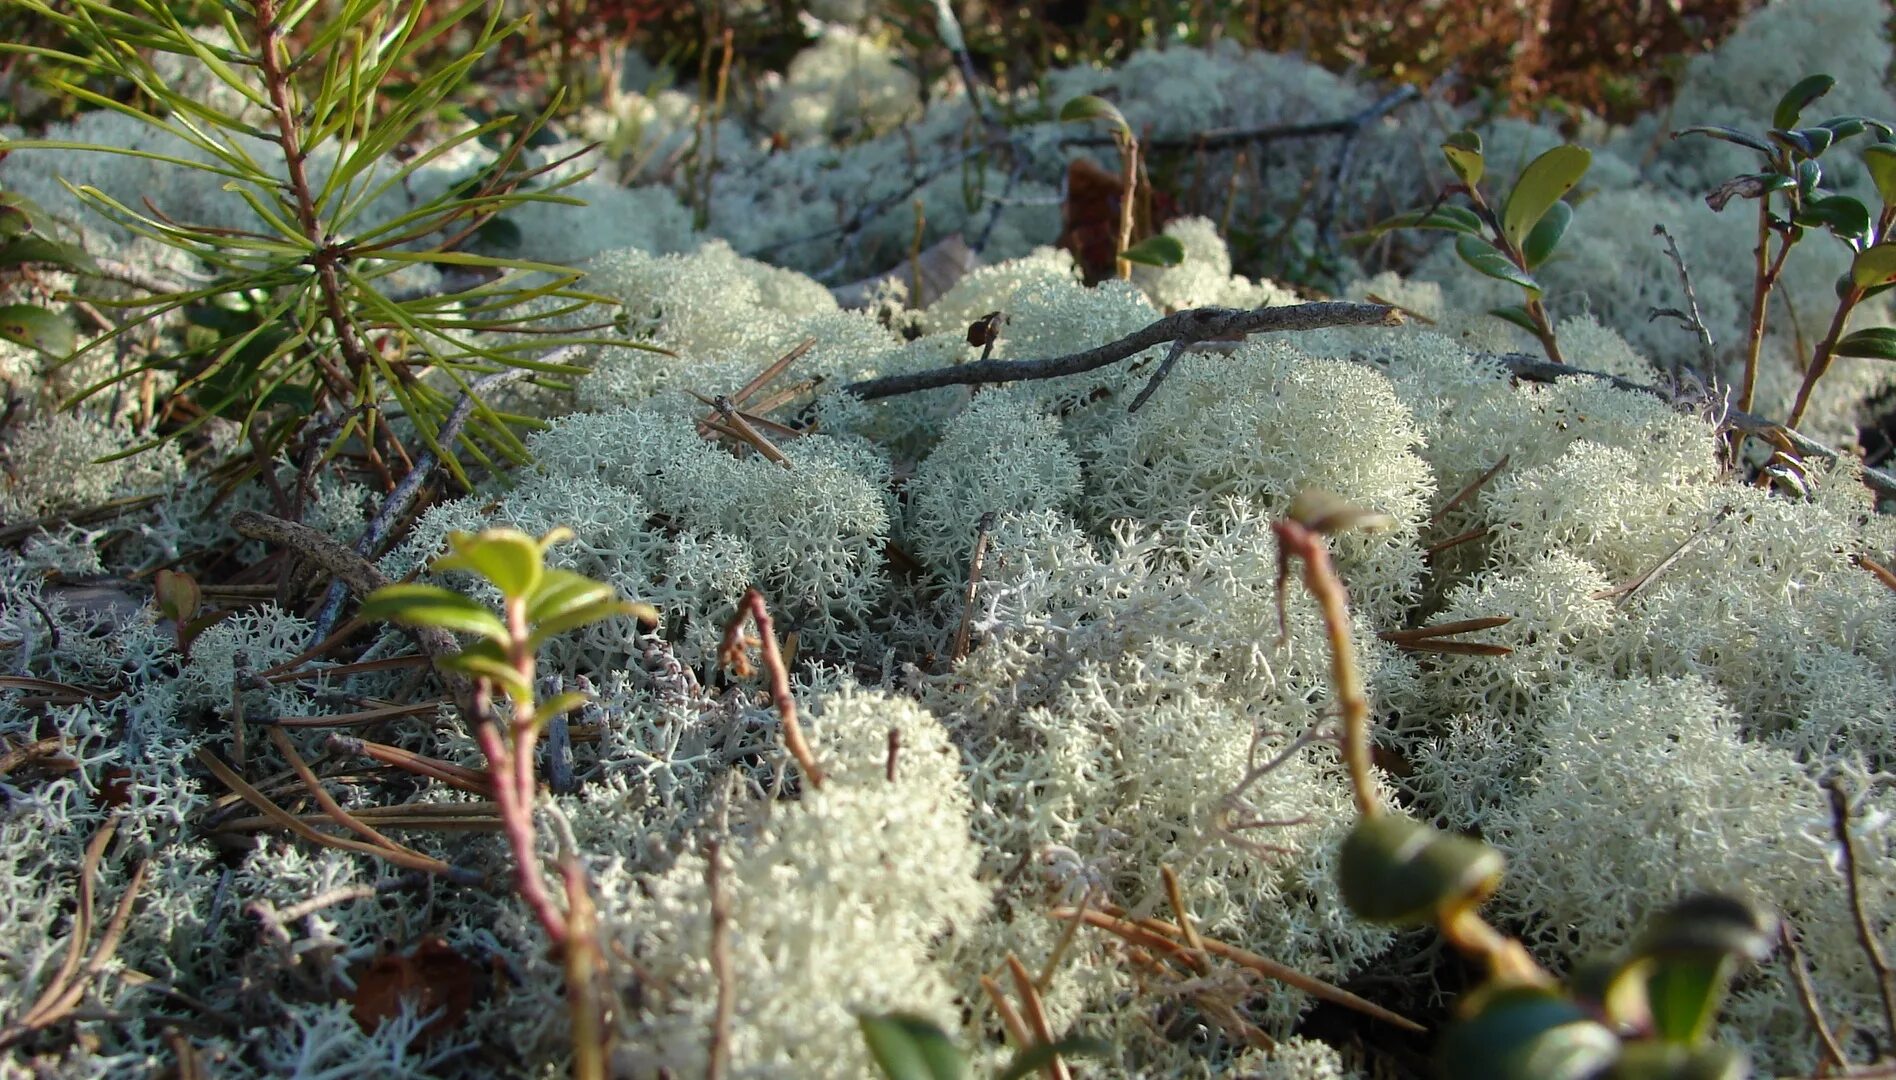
1684 661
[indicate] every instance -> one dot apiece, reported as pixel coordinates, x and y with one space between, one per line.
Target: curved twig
1186 327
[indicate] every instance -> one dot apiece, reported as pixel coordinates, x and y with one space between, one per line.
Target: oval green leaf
1728 134
588 614
1453 218
1808 142
1798 98
1874 266
37 328
507 557
431 605
1648 1060
910 1047
1878 343
561 591
1712 922
1809 175
1545 236
1089 107
1156 251
1880 159
1545 180
1488 259
1040 1055
1845 217
1463 151
1397 871
485 660
1517 315
1523 1033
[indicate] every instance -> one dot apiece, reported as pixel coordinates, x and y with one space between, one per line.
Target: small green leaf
1543 182
1036 1057
38 249
1088 107
1874 266
1684 992
1647 1060
1727 134
1809 174
507 557
1524 1033
1809 142
37 328
431 605
560 591
1798 98
486 660
1518 316
587 614
1453 218
1398 871
1488 259
1880 159
1843 127
1878 343
178 595
1463 151
1156 251
1545 236
910 1047
1842 215
558 705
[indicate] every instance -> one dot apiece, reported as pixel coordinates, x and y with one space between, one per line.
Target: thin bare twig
1807 997
1693 320
1035 1013
717 1055
1866 930
1221 138
1189 326
975 562
731 654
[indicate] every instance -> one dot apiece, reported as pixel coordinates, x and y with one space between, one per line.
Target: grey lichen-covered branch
1184 327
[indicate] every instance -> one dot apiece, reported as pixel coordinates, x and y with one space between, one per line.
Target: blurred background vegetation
1609 58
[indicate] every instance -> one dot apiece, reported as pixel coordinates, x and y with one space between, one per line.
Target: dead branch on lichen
1187 327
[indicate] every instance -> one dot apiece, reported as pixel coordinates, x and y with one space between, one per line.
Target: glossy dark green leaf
1671 1061
1728 134
507 557
1156 251
909 1047
1035 1058
1711 922
1397 871
1523 1033
1877 343
1809 142
1543 183
1517 315
1798 98
37 328
1843 127
1545 236
1488 259
431 605
1841 214
1880 159
1453 218
1463 151
1809 174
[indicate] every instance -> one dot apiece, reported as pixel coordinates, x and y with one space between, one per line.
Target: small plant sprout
537 602
910 1047
1508 244
1644 1016
1158 250
1791 199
